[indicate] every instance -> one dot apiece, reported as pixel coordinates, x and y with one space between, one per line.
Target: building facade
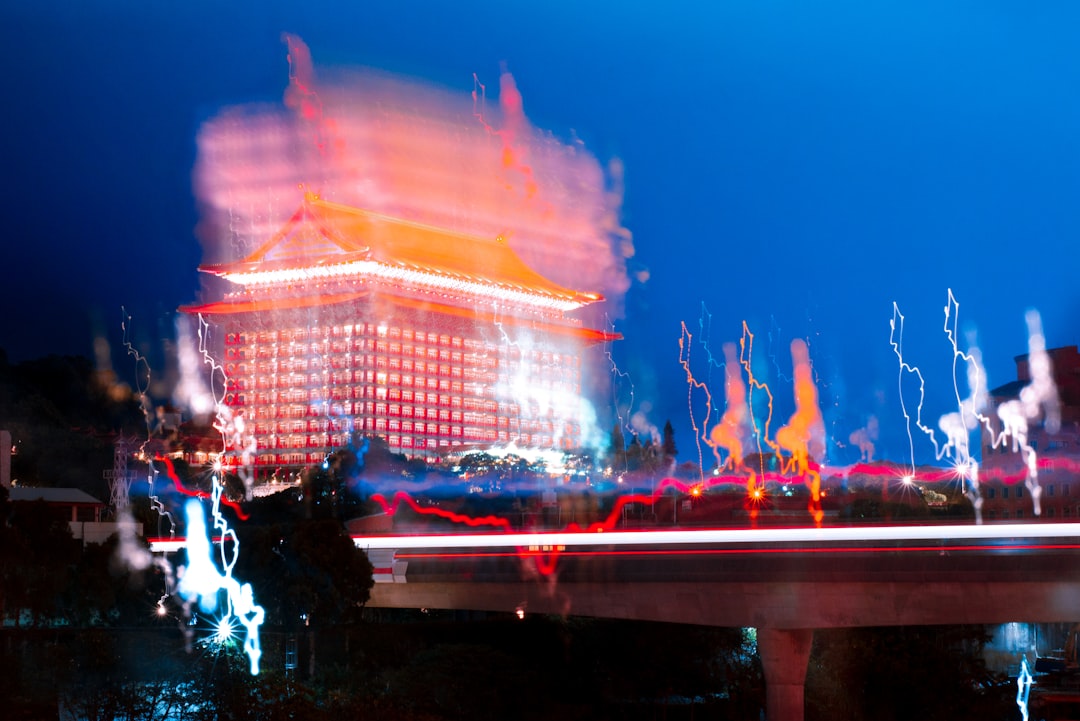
1056 450
350 322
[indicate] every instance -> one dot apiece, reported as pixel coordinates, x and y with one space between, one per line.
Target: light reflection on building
1005 496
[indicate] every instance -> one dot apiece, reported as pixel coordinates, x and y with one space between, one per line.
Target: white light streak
400 275
658 539
201 582
726 536
1023 687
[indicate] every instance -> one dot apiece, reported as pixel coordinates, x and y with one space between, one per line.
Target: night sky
798 166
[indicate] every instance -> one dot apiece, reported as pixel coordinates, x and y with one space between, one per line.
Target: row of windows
300 415
284 404
271 359
315 425
359 330
271 372
408 418
1018 491
383 426
265 373
1066 512
382 372
291 335
394 385
367 337
442 366
1053 445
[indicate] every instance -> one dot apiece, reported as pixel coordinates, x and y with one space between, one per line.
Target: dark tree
670 451
899 673
35 564
618 447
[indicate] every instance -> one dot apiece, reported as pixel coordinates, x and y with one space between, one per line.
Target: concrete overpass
783 582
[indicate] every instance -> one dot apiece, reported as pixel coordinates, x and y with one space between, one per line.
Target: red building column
784 655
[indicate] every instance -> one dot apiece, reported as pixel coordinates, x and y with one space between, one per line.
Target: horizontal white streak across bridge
674 537
845 534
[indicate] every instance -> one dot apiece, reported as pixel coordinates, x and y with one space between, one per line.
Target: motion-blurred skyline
800 169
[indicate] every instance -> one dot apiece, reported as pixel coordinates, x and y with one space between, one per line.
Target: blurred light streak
685 344
988 532
201 581
1024 680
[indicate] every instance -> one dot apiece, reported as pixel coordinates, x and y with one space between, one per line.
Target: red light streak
170 470
391 508
936 549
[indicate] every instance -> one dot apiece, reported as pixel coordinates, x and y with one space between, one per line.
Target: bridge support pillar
784 655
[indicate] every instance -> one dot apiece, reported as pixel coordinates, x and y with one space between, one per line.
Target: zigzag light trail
685 344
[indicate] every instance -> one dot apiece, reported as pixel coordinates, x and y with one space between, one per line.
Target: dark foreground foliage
433 667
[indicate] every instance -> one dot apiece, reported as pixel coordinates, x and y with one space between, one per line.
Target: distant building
1003 469
79 509
350 322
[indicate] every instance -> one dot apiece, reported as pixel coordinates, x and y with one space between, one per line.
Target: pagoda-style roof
326 241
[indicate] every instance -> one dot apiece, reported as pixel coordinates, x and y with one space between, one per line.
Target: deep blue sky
800 166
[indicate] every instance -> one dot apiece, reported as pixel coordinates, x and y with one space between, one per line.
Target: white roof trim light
398 274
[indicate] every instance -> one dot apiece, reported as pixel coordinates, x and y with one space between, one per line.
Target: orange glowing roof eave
589 335
402 243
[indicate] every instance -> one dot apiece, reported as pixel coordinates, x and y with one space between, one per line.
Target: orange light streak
805 427
731 429
685 342
761 435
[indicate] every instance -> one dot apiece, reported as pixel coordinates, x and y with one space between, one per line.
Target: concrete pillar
784 655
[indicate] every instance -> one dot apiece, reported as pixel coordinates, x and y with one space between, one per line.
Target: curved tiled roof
322 235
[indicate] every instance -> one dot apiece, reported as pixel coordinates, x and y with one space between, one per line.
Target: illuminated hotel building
348 321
